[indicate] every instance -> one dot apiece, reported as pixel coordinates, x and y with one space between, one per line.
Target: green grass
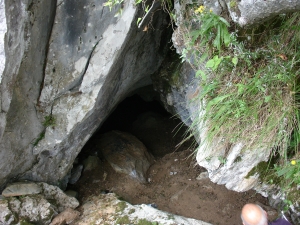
250 86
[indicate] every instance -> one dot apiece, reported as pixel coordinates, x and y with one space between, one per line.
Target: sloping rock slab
21 188
108 209
126 154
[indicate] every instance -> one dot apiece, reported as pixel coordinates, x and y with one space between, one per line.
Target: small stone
21 188
65 217
202 176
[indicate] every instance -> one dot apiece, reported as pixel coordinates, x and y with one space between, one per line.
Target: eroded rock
65 217
61 199
126 154
108 209
34 207
75 174
21 188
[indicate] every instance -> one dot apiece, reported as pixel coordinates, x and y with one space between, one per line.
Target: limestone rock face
243 12
2 34
37 203
108 209
178 88
126 154
69 62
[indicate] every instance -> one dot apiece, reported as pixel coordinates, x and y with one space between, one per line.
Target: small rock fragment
203 175
65 217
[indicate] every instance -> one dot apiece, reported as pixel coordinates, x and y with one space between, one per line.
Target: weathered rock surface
73 62
38 203
178 88
2 34
21 188
126 154
108 209
75 174
65 217
243 12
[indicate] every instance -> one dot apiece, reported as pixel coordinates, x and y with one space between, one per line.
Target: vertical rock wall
28 30
2 33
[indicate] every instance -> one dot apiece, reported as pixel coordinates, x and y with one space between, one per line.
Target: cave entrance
174 184
143 115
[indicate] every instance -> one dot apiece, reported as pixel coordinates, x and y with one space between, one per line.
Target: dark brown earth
173 186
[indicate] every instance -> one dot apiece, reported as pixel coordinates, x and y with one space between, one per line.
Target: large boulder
64 62
126 154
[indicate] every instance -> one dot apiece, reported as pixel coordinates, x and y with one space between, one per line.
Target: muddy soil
173 185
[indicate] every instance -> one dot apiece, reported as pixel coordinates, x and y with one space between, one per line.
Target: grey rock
34 208
21 188
202 176
65 217
91 163
75 174
108 205
126 154
37 208
67 60
249 12
2 35
6 215
61 199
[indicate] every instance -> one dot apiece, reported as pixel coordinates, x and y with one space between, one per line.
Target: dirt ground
173 186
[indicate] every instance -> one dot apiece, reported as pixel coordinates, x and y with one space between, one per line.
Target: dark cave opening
143 115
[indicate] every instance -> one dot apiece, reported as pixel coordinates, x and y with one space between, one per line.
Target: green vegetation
49 121
131 211
146 222
121 206
250 87
39 138
123 220
24 222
